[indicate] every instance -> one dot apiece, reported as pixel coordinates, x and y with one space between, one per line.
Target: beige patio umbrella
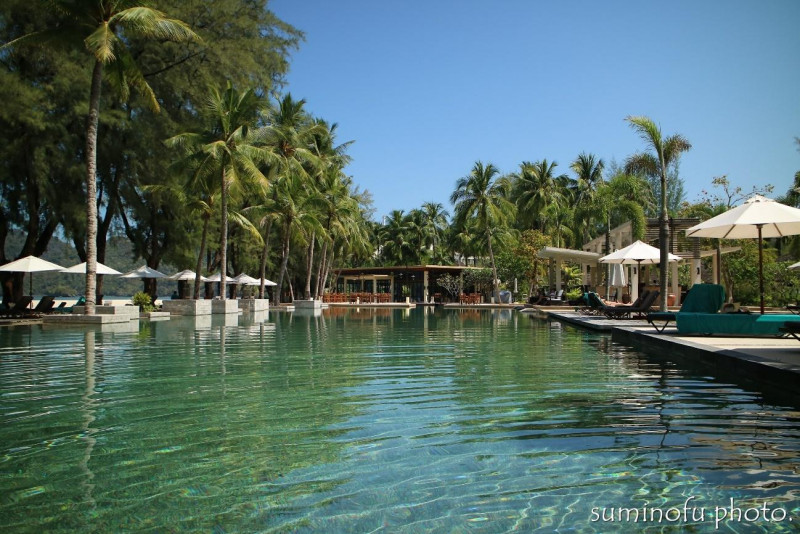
637 253
30 265
187 275
81 269
757 218
144 272
248 280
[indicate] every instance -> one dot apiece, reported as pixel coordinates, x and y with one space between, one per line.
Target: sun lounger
20 308
45 305
596 306
699 315
701 298
791 328
643 306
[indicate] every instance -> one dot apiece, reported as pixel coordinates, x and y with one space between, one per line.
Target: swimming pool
379 421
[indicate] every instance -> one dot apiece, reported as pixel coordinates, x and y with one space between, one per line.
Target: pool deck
771 359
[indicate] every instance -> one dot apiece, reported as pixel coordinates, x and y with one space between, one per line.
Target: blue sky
426 88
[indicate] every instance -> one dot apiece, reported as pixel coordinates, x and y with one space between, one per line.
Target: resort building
415 282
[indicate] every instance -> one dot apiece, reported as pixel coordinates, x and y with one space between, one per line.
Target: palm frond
150 22
101 43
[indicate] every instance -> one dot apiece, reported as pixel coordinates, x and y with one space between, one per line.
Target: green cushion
704 298
738 324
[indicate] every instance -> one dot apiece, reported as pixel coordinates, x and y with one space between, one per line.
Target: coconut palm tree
621 199
298 209
537 187
293 137
340 214
231 149
434 221
103 28
666 151
482 197
589 172
396 239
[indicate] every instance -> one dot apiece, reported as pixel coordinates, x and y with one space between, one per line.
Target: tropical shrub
144 301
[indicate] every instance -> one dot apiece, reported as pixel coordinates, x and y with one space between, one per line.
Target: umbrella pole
761 267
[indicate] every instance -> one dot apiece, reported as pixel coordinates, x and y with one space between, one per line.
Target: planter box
307 304
187 307
155 316
219 306
131 312
254 305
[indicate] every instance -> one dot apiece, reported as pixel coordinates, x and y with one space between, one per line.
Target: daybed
699 315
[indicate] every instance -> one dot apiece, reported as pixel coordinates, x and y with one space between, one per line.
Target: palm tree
298 208
536 187
104 28
667 151
332 159
620 199
395 239
340 214
589 172
484 199
229 150
434 221
293 137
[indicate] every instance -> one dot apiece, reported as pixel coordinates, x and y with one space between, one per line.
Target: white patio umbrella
30 265
248 280
144 272
81 269
217 277
637 253
617 275
187 275
757 218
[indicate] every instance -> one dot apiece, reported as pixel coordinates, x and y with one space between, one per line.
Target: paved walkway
775 360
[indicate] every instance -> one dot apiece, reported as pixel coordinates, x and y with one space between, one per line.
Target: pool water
380 421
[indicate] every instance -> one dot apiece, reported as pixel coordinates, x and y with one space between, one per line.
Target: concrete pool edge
762 359
741 360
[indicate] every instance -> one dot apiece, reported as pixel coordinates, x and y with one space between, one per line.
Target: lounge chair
594 304
64 309
597 306
701 298
791 328
644 304
20 308
45 305
557 298
697 319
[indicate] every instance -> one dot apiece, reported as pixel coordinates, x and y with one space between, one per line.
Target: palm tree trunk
494 270
663 238
284 260
310 264
320 290
199 266
608 251
264 255
327 271
91 187
223 241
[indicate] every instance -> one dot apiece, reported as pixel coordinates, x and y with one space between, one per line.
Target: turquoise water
379 421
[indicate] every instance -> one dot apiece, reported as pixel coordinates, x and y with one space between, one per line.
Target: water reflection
366 420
